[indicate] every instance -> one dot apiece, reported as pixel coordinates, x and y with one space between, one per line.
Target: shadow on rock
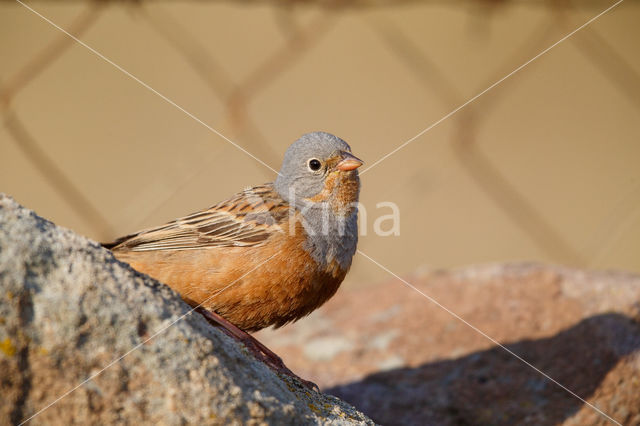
494 387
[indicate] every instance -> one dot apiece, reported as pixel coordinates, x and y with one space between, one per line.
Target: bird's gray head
310 161
319 177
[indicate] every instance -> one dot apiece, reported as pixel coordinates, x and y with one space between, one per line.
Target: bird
268 255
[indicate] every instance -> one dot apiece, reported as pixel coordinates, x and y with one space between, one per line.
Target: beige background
542 167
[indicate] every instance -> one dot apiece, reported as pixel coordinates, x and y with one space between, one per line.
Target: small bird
270 254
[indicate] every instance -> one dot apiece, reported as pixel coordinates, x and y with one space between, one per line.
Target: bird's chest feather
330 220
287 287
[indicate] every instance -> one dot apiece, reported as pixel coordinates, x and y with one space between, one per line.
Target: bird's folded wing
247 219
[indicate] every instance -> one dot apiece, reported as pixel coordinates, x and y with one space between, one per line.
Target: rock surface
401 359
69 311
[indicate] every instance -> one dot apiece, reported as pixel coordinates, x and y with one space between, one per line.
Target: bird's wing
247 219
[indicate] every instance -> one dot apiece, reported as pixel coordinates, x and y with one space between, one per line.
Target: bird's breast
288 286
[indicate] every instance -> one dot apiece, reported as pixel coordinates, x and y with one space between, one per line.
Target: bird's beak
348 162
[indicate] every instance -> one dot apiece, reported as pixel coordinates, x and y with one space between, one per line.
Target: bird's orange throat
341 191
346 193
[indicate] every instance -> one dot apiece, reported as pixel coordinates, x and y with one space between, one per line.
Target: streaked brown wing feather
247 219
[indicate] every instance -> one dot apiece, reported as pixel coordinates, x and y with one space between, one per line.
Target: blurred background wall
544 166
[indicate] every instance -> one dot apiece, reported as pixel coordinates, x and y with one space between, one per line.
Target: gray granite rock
84 339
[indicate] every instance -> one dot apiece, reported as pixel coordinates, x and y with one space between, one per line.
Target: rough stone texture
68 309
401 359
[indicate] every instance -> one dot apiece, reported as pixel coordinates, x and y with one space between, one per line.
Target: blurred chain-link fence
544 166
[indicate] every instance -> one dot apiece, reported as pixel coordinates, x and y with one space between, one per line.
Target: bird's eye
314 164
